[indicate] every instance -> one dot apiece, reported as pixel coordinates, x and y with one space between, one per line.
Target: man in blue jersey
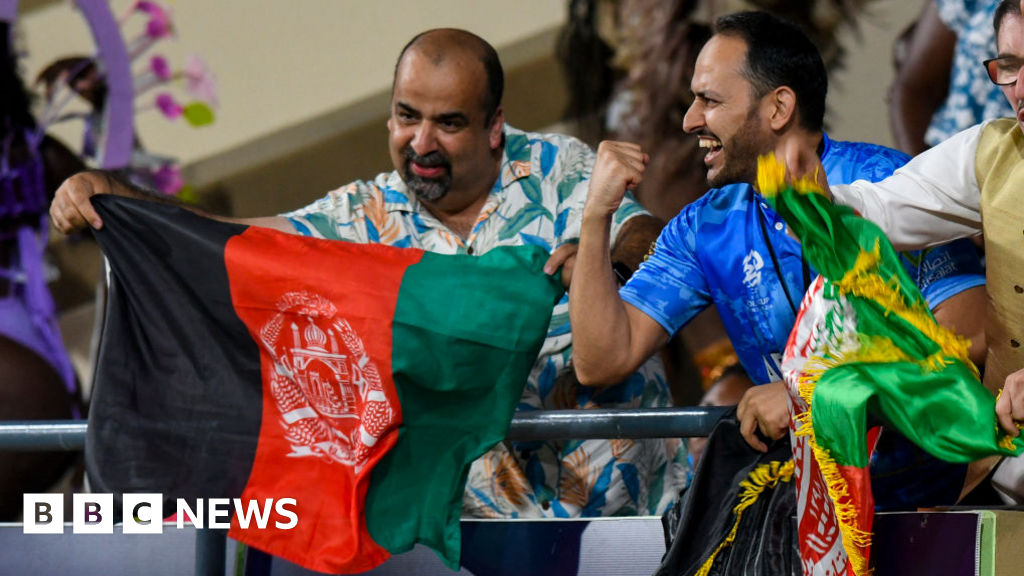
757 79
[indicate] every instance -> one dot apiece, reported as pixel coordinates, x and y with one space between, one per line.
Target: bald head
443 46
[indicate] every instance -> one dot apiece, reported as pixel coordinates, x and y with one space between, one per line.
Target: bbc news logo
143 513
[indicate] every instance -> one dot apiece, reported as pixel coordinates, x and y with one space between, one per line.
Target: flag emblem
329 392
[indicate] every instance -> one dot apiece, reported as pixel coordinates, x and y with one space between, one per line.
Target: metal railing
69 435
211 545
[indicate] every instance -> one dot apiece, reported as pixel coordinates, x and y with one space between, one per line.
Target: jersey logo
752 265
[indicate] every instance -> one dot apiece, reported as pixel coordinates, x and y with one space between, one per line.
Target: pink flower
167 179
200 81
159 25
160 67
149 7
157 28
167 105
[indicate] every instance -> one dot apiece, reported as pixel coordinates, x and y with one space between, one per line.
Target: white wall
282 63
857 109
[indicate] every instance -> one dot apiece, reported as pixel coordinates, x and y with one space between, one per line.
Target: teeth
708 143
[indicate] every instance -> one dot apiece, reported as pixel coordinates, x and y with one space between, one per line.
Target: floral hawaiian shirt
972 96
538 199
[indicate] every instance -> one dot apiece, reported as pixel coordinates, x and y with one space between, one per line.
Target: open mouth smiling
714 147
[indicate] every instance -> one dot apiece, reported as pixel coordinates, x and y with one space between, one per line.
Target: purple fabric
119 112
22 188
28 314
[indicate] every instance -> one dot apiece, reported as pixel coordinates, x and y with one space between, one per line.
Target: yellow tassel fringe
862 282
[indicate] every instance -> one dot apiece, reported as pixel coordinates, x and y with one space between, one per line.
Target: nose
424 141
693 120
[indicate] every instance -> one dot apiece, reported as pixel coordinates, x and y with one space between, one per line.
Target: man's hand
799 152
563 257
1010 406
764 408
72 209
619 167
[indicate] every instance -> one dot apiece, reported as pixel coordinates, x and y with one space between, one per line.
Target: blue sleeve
670 286
945 271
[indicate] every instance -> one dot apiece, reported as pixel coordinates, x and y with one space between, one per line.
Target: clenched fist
619 167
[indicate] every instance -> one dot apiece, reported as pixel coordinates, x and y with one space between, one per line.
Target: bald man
464 182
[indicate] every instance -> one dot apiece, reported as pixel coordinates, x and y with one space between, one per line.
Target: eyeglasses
1003 70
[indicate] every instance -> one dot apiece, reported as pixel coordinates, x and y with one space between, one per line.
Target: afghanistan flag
359 380
865 343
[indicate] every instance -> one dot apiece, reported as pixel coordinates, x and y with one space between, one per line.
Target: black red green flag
360 380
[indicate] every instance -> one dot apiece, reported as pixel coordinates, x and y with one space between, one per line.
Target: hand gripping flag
360 380
865 344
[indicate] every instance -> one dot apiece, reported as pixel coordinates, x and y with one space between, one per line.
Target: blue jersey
730 249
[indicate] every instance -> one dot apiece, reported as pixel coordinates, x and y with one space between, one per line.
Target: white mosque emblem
752 265
328 391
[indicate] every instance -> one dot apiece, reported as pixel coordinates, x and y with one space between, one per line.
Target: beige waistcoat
999 166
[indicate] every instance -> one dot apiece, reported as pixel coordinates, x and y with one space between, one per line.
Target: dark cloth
766 539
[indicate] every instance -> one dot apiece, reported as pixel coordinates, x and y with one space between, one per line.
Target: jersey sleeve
945 271
670 286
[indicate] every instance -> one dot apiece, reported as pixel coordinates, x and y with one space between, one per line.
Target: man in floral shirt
464 183
530 191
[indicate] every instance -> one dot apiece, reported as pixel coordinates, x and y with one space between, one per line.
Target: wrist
597 215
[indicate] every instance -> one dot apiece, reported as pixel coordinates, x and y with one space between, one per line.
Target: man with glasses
968 185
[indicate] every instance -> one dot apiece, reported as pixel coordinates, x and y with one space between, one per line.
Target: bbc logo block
143 513
44 513
93 514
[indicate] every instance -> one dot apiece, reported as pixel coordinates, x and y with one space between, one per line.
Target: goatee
427 189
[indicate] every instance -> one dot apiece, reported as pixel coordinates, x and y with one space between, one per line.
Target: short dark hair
1005 8
488 57
780 54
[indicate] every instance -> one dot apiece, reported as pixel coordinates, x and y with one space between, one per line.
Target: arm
922 79
610 338
964 314
935 198
72 208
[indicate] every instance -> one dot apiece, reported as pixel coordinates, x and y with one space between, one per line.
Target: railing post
211 551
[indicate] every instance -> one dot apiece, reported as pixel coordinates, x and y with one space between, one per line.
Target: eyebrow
706 94
443 117
452 116
406 108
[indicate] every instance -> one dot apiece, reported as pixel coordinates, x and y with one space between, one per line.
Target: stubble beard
739 161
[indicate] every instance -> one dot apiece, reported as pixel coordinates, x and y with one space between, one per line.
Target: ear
497 128
391 120
782 107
